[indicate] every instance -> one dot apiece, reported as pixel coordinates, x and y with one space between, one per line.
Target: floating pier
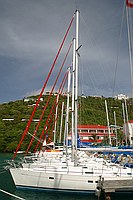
111 186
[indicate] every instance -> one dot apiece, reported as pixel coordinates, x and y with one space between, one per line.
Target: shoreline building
93 134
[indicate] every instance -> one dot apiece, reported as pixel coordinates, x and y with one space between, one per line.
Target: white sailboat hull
35 179
59 178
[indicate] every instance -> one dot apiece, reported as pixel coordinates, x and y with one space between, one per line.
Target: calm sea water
6 183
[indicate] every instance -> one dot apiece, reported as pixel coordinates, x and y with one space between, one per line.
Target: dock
110 186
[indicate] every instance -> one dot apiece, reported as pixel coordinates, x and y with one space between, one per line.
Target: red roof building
93 133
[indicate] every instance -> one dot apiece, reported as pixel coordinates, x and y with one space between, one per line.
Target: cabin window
129 173
90 181
88 172
51 178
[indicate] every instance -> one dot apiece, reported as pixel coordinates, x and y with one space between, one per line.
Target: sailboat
70 174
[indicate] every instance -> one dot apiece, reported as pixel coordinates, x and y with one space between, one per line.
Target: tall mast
62 109
76 77
115 128
55 126
129 5
110 143
73 98
67 112
124 120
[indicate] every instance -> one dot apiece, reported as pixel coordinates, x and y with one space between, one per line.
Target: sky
31 32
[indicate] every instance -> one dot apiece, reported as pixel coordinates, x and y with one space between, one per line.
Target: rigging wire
92 43
53 126
91 75
49 97
118 50
82 64
54 104
128 12
43 88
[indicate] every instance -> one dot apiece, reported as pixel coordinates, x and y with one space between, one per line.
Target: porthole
88 172
51 178
90 181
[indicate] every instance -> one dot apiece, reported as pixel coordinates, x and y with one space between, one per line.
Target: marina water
6 184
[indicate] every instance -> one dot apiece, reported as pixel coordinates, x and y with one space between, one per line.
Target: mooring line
11 194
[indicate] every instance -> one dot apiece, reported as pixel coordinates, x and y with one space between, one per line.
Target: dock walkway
117 185
110 186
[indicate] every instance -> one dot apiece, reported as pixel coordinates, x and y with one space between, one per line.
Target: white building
31 99
28 99
128 131
121 96
8 119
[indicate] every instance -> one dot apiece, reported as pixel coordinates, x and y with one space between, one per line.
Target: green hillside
15 115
